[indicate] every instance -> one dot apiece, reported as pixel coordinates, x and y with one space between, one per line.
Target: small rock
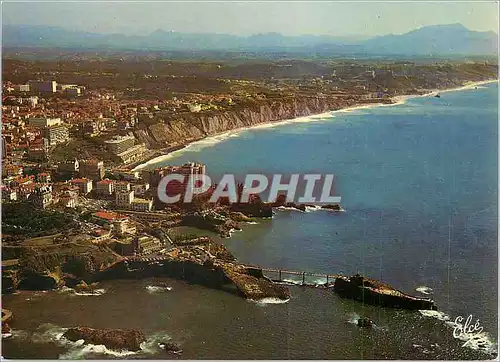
365 322
171 347
5 328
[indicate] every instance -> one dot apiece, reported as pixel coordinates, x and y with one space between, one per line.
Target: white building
121 186
84 185
105 187
22 87
124 199
43 122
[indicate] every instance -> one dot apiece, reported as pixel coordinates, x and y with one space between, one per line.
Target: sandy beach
211 140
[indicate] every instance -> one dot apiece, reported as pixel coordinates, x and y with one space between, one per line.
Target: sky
337 18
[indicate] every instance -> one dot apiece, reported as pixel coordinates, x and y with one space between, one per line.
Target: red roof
79 180
104 182
108 215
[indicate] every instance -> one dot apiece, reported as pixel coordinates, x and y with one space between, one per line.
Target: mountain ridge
444 39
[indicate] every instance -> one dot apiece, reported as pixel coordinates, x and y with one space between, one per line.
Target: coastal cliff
205 263
185 127
54 266
199 261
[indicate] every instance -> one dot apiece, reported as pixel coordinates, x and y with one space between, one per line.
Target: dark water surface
419 185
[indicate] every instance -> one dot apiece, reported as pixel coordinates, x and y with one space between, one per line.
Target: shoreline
397 100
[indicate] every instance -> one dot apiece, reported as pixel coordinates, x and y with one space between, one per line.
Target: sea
418 182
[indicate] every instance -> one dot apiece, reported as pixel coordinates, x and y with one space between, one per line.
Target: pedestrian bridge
294 277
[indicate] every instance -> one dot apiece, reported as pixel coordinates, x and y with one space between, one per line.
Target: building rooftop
118 139
109 215
141 201
79 180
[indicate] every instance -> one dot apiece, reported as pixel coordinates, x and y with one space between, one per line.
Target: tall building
4 147
124 199
188 169
121 186
56 134
41 86
105 187
41 197
120 144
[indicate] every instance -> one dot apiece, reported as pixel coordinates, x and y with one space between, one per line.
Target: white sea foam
95 292
19 334
477 341
252 223
213 140
284 208
79 351
435 314
157 289
292 281
353 318
468 86
49 333
313 208
319 281
151 346
266 301
424 290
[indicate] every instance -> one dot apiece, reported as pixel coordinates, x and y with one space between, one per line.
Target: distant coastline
396 100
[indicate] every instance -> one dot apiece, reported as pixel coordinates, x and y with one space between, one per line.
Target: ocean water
418 182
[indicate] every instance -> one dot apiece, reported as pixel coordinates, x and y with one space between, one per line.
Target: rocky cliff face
187 127
49 268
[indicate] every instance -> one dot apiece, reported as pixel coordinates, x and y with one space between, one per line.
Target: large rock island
375 292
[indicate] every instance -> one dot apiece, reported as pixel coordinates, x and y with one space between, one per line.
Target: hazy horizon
353 19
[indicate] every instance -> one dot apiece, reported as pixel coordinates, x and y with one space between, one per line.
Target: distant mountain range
436 40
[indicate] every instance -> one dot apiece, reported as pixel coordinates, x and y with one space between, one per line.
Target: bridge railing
298 277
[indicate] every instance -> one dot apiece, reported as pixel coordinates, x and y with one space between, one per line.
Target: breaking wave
266 301
158 289
80 350
310 208
95 292
284 208
291 282
50 333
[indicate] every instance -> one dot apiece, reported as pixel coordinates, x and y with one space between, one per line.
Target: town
73 134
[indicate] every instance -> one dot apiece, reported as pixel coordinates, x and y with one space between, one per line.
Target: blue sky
250 17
